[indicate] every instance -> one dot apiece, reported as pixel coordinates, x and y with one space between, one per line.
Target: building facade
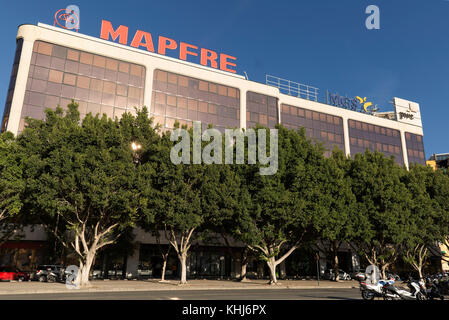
53 66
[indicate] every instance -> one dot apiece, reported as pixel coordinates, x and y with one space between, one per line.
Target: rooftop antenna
246 75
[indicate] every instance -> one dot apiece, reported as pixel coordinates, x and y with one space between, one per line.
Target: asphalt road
254 294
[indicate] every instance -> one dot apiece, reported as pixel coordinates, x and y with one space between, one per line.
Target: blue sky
323 43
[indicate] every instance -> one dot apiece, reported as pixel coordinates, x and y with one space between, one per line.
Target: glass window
45 48
195 100
415 148
324 125
171 100
69 79
88 78
55 76
377 138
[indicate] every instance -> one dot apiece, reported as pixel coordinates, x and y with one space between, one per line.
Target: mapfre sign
144 39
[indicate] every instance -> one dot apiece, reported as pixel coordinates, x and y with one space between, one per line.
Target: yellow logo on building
365 104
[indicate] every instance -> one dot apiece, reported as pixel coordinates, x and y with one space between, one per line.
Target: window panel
69 79
83 82
55 76
171 100
54 86
109 87
45 48
111 64
86 58
99 61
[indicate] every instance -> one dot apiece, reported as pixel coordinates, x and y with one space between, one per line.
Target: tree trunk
271 262
334 249
84 269
384 269
183 258
244 264
336 266
181 249
164 265
244 267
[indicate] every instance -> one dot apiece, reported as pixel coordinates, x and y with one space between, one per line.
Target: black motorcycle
433 289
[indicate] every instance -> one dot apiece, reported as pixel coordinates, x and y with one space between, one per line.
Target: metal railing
292 88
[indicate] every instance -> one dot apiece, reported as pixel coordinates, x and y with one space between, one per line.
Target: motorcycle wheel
420 296
366 295
51 279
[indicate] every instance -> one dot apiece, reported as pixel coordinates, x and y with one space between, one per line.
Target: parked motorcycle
433 289
417 291
371 290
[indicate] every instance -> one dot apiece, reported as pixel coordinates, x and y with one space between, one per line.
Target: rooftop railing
292 88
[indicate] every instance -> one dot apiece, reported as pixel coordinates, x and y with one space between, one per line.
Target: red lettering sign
166 43
121 33
137 40
144 39
209 55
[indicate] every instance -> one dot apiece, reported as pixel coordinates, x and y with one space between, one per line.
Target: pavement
34 287
208 295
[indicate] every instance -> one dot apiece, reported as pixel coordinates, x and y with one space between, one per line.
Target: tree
176 200
221 205
336 225
382 206
439 192
428 224
278 211
81 179
11 185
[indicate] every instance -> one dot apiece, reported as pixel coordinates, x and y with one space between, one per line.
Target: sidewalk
34 287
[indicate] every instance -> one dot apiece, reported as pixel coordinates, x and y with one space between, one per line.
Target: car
342 275
13 273
49 273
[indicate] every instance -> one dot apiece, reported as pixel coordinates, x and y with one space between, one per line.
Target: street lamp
135 147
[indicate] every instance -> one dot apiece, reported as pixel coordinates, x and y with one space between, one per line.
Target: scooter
415 293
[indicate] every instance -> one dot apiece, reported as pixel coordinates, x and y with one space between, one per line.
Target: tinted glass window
415 148
363 136
261 109
319 126
98 84
185 99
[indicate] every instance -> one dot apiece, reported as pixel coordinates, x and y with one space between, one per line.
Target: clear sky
323 43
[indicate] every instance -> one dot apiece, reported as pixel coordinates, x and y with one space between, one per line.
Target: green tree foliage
11 185
382 207
279 211
429 218
85 184
176 200
81 180
337 223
